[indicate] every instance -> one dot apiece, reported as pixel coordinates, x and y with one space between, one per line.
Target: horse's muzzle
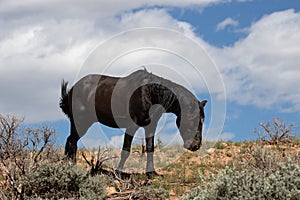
191 146
194 147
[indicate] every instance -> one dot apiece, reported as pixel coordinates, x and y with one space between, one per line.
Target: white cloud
43 42
263 69
227 22
32 66
38 54
63 8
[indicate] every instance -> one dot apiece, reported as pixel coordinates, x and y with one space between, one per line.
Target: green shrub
264 159
284 183
55 181
220 145
238 144
22 150
159 144
150 192
229 143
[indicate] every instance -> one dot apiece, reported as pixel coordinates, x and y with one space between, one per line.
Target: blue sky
241 119
254 45
244 13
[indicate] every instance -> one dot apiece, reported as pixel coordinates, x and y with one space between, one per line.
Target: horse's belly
108 122
115 122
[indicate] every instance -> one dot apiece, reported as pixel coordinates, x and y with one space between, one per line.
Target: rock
224 144
110 190
210 150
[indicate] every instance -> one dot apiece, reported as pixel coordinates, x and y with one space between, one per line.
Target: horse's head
190 124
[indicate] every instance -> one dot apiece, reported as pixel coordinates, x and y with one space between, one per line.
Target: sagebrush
55 181
265 178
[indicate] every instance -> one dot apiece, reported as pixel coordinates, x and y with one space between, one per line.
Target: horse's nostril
195 148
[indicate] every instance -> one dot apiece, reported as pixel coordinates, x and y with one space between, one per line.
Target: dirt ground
183 174
179 176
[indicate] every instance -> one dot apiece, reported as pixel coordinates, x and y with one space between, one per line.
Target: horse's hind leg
71 144
126 148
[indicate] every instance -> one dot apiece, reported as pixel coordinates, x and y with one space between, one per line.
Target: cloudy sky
253 44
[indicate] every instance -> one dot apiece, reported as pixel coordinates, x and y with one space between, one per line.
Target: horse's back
121 99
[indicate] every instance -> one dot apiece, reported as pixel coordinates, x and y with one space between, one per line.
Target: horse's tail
64 99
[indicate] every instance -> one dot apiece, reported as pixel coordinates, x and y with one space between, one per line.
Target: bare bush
96 165
275 132
21 151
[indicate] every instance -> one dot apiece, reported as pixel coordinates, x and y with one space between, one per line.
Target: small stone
224 144
110 190
211 150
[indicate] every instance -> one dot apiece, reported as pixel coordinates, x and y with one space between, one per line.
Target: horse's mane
165 90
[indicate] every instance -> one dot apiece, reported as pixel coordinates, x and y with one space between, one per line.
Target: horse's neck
165 97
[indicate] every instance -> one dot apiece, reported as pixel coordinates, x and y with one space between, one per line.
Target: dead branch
21 150
100 159
275 132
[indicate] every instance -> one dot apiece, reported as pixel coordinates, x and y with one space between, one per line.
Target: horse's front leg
125 150
149 133
150 151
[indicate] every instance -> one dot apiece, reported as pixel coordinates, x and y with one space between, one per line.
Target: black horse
134 101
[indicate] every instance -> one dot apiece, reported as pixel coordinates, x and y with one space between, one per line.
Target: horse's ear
203 103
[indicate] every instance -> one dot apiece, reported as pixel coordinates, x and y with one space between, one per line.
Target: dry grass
184 174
